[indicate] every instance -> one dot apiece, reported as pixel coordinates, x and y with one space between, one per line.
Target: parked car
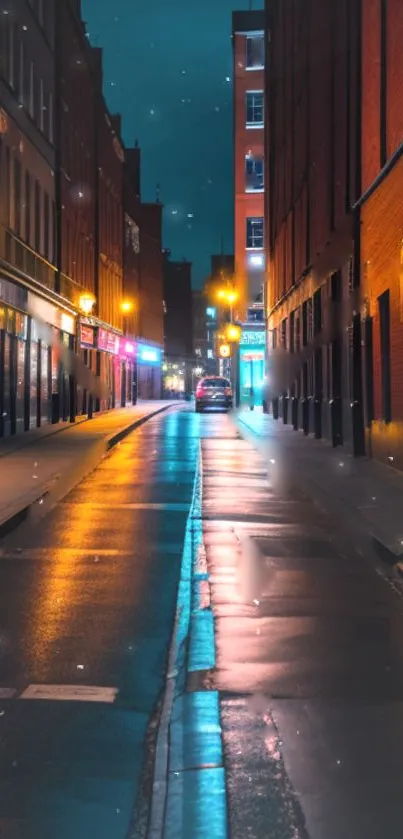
213 392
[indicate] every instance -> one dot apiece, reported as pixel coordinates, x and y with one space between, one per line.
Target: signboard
253 355
87 336
253 338
148 354
108 341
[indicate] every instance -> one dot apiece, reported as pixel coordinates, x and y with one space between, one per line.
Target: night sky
168 71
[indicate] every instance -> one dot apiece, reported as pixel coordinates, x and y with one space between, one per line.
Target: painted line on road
173 508
70 693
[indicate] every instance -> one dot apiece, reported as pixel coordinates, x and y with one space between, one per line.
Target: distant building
178 308
249 118
222 263
205 324
143 278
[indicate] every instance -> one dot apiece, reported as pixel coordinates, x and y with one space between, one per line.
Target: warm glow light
224 351
126 307
87 303
233 333
227 295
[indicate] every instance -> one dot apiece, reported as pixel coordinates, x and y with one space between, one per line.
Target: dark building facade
381 228
178 308
249 117
313 178
143 278
33 315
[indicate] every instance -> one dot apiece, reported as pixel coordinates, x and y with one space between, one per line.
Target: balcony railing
24 259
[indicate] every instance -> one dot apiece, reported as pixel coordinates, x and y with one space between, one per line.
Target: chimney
133 168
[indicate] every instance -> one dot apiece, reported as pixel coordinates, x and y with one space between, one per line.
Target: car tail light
199 390
228 391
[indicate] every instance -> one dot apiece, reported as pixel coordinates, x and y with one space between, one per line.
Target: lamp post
86 305
127 307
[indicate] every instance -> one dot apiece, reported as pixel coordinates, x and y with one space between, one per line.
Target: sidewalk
367 496
39 468
309 661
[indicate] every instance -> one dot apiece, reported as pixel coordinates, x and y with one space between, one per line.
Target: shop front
174 379
112 358
149 362
31 372
252 366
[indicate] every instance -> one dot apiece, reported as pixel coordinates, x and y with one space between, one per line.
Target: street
88 599
308 664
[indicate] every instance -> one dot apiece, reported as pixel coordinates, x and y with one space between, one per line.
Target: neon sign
250 338
149 355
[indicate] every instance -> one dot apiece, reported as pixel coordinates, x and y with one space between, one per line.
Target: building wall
381 226
76 163
248 141
313 176
178 318
27 153
110 219
151 322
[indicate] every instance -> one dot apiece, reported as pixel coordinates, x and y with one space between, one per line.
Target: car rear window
216 383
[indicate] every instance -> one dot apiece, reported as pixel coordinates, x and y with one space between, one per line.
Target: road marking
70 693
7 693
174 507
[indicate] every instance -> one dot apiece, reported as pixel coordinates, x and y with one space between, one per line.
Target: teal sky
168 70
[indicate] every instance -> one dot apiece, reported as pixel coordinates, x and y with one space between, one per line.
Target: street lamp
127 307
86 303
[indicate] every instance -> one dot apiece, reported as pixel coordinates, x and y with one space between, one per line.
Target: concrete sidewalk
39 469
365 495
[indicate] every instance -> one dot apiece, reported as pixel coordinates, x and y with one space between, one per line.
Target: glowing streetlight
126 307
86 304
233 333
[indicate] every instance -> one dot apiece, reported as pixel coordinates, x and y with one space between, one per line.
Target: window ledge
254 125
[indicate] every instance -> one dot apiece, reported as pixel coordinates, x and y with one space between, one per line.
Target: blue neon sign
149 355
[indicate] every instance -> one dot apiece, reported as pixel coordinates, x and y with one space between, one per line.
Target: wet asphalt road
309 661
309 653
88 599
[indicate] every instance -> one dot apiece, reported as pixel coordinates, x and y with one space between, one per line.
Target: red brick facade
75 140
248 145
382 228
312 157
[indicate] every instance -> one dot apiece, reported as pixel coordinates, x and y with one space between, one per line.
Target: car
213 392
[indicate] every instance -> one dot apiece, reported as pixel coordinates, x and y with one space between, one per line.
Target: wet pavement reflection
309 661
86 610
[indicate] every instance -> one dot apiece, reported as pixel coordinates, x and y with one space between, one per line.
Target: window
254 52
254 232
31 91
38 211
384 326
17 197
254 107
27 208
46 226
254 173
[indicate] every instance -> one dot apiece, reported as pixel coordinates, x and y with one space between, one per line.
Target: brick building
33 315
381 225
143 277
248 74
313 173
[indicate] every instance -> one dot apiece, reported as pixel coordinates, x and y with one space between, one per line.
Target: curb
53 493
179 639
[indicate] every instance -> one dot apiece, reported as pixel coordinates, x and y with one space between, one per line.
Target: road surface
309 650
86 610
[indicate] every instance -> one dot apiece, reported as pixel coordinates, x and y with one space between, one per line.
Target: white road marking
7 693
70 693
